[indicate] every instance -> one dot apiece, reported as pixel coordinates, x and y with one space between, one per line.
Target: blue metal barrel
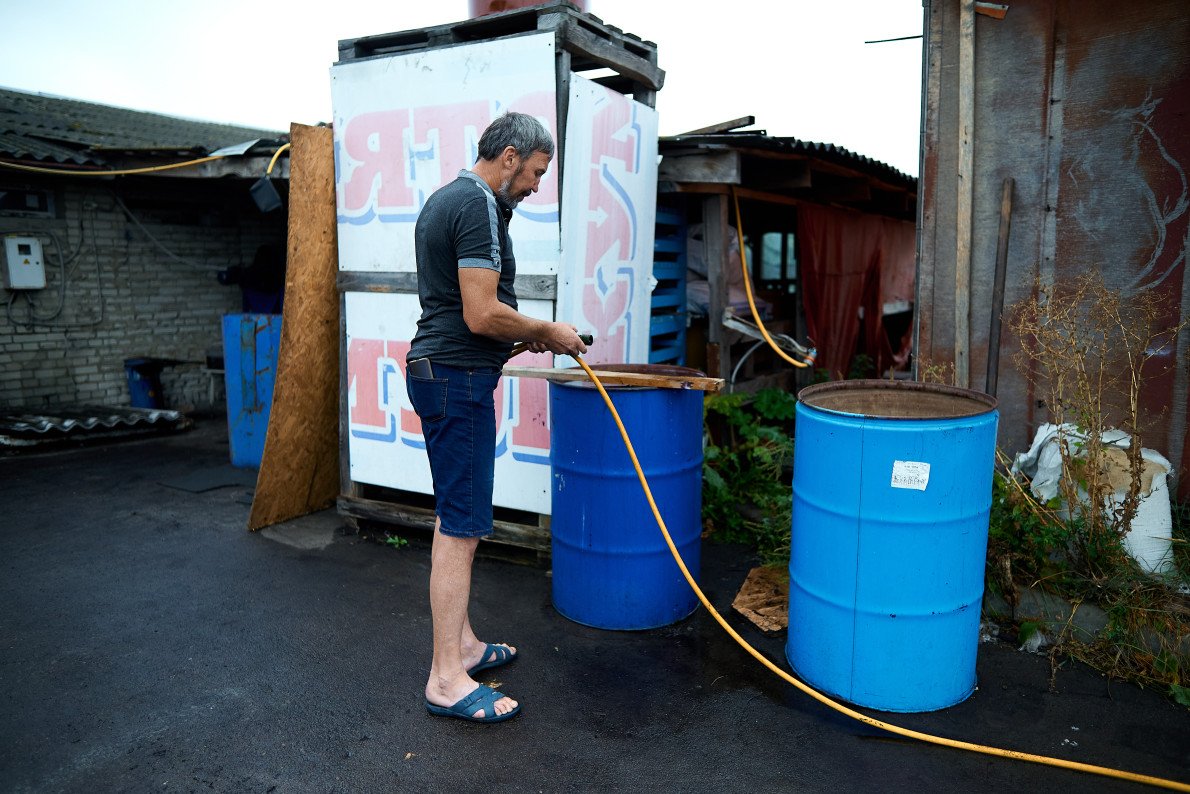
611 567
892 487
251 343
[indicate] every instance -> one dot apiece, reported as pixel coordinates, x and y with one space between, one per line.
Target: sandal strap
501 653
482 697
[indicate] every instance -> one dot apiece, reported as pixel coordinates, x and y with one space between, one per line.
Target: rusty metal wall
1085 105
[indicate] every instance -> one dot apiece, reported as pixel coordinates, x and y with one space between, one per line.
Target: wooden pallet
510 527
590 42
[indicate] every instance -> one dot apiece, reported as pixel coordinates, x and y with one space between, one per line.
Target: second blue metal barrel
892 489
611 566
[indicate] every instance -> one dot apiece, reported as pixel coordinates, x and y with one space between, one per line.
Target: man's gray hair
521 131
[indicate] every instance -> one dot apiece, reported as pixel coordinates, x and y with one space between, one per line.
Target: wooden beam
963 203
835 188
717 167
609 378
781 175
714 241
712 189
723 126
526 287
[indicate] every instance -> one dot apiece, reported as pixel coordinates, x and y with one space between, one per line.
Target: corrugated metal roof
793 146
21 428
49 128
25 147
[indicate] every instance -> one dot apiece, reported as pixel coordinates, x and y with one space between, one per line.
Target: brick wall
123 296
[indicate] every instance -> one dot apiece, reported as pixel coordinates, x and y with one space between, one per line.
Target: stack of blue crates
667 323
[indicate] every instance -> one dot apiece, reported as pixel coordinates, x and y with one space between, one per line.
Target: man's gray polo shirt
463 224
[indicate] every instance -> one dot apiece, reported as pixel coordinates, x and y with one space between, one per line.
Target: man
469 320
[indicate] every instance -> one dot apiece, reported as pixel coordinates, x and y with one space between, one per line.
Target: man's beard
505 186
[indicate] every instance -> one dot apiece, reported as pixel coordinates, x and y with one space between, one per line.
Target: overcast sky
799 66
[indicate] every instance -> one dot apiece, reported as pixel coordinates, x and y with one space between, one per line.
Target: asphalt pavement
149 642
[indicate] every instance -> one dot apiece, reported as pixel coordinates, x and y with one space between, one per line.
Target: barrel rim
988 402
641 369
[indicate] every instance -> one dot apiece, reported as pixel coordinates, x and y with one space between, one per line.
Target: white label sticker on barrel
910 474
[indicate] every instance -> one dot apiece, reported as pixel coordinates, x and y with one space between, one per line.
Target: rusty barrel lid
896 399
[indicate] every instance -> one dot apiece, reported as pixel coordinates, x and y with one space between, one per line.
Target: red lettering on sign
376 375
451 133
376 141
363 376
608 286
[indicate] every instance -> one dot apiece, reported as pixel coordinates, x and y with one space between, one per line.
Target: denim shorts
458 421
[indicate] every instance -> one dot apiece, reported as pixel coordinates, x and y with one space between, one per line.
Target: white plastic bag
1149 541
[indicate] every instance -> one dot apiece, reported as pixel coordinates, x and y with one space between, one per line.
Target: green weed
745 495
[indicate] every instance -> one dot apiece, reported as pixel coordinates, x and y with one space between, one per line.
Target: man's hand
560 338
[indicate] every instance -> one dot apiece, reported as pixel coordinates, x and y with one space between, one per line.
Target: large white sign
608 215
386 445
407 124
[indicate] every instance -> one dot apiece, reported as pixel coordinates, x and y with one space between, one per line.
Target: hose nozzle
521 347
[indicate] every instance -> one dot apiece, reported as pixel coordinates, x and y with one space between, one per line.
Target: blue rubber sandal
501 655
481 697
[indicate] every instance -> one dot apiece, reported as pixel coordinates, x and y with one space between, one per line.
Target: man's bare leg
450 593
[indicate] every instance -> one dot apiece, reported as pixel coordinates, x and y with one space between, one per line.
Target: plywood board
299 472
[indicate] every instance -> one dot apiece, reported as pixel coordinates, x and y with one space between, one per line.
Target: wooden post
965 182
992 378
714 240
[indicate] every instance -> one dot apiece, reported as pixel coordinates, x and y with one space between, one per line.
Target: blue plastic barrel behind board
892 487
612 569
250 346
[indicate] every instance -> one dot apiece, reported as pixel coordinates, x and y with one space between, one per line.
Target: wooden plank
648 380
299 468
562 102
712 189
526 287
507 532
709 167
783 175
963 200
714 240
346 485
931 203
723 126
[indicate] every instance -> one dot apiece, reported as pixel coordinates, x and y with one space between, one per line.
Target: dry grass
1088 351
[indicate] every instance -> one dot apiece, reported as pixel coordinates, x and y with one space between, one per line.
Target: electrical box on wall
23 265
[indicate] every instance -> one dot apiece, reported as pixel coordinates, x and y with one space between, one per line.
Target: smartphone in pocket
420 368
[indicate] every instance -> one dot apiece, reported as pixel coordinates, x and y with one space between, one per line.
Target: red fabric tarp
848 260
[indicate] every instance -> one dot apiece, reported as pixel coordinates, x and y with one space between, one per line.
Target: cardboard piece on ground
299 472
764 599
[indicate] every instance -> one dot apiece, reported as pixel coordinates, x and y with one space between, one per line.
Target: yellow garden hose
739 227
855 715
130 171
276 154
125 172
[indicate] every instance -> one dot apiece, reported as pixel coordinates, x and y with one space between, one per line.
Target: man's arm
487 316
